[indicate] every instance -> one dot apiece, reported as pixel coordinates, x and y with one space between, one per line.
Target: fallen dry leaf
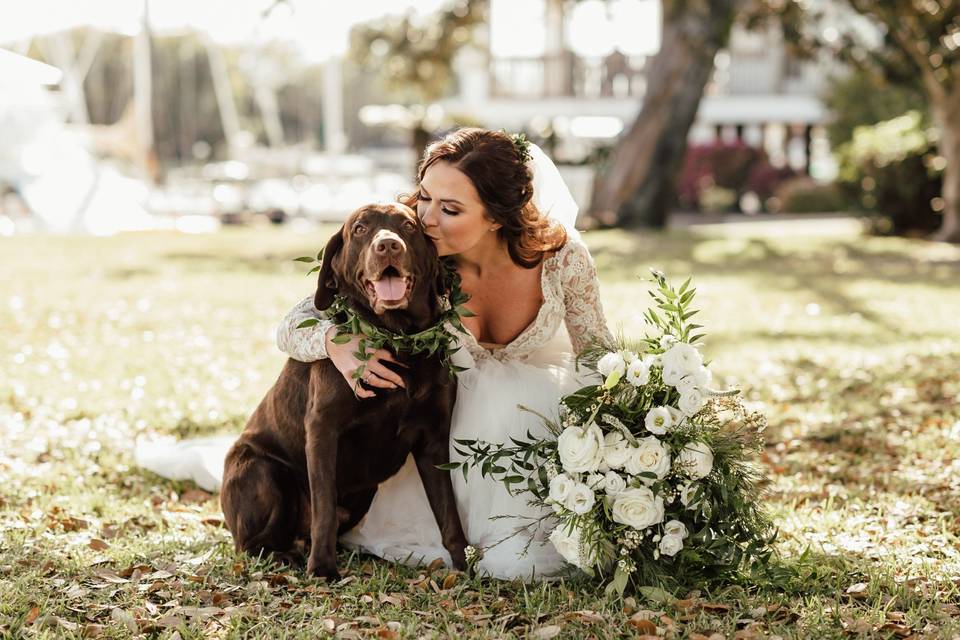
194 496
546 633
97 544
32 615
450 581
122 617
715 607
858 590
643 625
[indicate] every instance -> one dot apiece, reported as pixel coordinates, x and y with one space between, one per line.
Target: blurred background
191 115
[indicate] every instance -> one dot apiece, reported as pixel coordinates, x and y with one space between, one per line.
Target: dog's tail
197 459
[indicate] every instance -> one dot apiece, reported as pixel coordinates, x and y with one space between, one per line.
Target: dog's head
382 260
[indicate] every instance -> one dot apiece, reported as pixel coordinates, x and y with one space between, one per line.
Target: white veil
550 192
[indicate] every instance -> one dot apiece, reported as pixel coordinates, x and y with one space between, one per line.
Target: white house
579 69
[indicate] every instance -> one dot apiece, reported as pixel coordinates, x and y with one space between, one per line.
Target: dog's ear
328 282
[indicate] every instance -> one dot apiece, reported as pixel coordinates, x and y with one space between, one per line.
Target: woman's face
451 211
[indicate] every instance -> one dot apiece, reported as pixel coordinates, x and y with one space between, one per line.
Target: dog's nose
388 245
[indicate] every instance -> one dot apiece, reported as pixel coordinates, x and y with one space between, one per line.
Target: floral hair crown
520 141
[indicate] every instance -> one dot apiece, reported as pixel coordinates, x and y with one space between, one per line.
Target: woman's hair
494 165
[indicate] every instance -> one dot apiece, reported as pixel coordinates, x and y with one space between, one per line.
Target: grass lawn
851 346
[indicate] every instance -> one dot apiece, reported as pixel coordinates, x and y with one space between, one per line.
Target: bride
498 206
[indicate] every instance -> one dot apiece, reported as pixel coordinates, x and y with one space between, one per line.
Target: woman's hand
375 374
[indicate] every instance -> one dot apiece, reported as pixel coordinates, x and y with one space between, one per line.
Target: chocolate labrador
308 462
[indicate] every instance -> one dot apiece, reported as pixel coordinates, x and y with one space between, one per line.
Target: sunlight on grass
849 345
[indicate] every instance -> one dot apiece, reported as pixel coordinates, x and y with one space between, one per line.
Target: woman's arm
581 296
307 344
310 344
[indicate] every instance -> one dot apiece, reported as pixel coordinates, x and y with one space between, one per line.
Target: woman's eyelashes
449 212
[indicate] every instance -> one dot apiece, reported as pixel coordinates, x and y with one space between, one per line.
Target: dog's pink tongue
390 287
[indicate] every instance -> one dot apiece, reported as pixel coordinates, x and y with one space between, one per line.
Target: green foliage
844 98
894 173
414 58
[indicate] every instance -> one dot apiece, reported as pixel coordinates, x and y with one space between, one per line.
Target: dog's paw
321 569
292 558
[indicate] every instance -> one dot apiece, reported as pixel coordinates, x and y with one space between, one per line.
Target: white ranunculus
691 402
638 373
637 508
687 493
696 459
560 487
702 377
613 483
595 481
580 499
675 528
615 450
611 362
628 356
684 357
672 375
649 457
567 544
581 449
687 384
658 420
670 545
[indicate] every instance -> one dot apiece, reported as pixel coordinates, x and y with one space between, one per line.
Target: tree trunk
947 113
637 187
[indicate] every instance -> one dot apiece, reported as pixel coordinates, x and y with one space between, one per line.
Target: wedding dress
534 370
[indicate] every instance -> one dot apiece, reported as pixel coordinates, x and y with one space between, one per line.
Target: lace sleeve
307 344
583 313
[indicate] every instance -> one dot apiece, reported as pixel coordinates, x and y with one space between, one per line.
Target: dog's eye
409 225
359 229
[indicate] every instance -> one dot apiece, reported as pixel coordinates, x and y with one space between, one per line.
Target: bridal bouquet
647 477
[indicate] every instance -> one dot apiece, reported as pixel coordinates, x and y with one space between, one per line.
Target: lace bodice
571 294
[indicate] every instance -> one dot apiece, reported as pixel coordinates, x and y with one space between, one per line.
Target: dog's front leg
436 482
321 452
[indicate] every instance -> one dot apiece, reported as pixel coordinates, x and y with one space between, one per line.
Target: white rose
684 357
702 377
691 402
638 508
581 449
658 420
615 450
613 483
560 487
672 375
686 384
675 528
595 480
650 457
670 545
638 373
580 499
687 493
667 341
611 362
567 544
696 459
